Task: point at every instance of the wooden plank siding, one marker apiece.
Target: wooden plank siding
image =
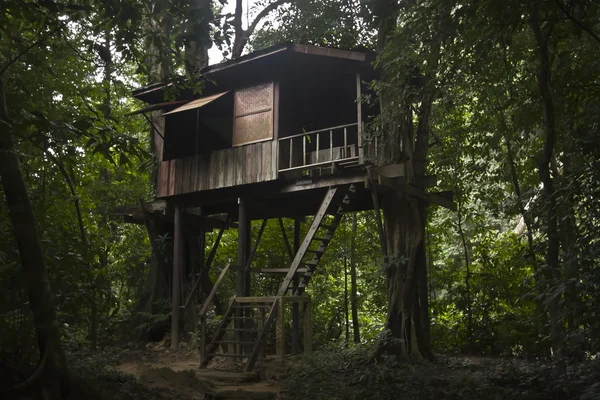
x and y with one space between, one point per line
242 165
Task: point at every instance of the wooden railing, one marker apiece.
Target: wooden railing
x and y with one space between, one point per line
320 148
204 310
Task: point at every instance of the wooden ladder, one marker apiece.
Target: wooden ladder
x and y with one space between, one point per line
254 335
324 225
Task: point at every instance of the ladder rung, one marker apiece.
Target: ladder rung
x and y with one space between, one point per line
326 226
255 306
235 342
241 330
322 239
280 271
316 251
247 318
228 355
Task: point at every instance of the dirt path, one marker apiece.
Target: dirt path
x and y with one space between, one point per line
159 368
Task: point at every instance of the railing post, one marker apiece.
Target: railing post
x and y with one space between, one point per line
279 331
261 326
361 157
291 146
318 147
331 150
331 145
303 150
345 142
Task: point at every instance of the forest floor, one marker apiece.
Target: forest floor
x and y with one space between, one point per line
156 372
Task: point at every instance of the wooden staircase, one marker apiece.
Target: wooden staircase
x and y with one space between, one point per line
257 314
252 334
325 227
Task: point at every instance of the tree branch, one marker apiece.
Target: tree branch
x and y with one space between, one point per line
237 18
69 183
26 49
241 35
265 11
577 22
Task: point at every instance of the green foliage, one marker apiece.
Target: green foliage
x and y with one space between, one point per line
350 373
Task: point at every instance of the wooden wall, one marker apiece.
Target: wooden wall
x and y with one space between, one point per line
242 165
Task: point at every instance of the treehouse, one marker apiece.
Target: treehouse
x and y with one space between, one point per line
280 115
276 133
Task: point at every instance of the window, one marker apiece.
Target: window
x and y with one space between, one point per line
253 114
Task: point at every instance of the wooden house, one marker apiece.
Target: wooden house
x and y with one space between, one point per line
264 123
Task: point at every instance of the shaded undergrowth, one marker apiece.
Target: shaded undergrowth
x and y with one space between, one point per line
339 373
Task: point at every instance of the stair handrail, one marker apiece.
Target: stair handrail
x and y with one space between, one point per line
204 309
213 292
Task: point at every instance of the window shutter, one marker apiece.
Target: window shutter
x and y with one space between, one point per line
253 114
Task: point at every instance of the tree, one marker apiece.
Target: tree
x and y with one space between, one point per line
353 288
406 95
53 371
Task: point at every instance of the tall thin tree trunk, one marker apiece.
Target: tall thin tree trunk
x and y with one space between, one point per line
552 232
346 313
467 276
353 289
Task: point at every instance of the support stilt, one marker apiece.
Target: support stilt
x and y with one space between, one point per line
241 284
295 308
177 266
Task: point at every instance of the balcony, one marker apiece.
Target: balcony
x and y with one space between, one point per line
320 152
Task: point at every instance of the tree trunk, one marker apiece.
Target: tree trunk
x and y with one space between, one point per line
198 35
404 235
178 245
353 289
53 370
467 277
346 313
404 215
552 233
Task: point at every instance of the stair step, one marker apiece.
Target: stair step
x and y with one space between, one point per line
322 239
349 162
236 342
326 226
228 355
316 251
253 306
280 271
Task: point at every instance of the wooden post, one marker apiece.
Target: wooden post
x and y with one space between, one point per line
202 334
280 331
242 253
261 324
249 254
201 253
177 264
307 319
295 305
242 249
361 154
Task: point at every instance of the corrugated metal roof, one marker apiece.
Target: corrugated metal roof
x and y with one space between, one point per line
201 102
